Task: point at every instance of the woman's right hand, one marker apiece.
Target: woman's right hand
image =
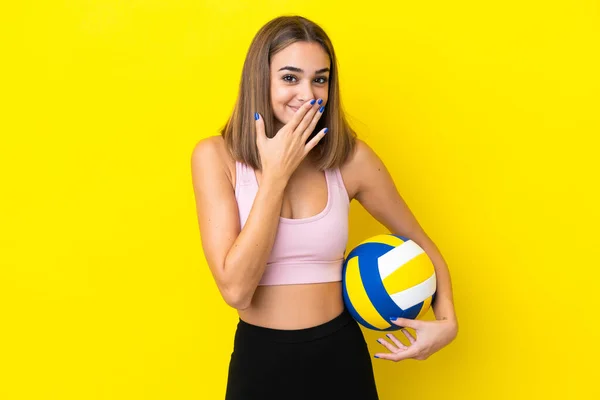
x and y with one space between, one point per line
281 155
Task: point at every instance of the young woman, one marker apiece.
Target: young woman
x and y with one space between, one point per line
273 194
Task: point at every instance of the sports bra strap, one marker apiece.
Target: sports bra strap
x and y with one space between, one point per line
243 174
338 177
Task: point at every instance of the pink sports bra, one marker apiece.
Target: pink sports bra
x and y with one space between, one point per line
306 250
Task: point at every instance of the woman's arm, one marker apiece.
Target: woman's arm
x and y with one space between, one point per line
237 259
377 193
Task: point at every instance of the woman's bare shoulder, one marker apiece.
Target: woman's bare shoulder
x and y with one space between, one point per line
211 152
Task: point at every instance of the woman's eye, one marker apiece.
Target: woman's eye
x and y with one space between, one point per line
292 79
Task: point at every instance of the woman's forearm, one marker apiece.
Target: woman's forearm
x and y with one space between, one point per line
247 259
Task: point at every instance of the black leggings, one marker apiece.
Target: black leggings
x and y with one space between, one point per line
327 361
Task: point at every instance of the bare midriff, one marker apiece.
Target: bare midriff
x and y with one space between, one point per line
294 306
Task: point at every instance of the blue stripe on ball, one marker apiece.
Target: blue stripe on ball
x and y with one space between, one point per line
369 273
413 311
353 311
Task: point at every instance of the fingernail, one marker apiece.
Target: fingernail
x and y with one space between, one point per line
321 109
313 102
320 101
255 116
393 318
326 129
375 356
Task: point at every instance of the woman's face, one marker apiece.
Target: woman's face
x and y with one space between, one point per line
299 73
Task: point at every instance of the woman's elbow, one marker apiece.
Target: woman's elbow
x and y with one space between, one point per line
236 298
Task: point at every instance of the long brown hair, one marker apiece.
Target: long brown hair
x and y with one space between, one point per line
255 96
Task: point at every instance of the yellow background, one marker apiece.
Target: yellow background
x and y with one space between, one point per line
486 114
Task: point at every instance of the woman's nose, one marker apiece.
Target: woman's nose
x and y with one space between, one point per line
305 92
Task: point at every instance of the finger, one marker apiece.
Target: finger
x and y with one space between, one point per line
406 322
399 356
299 115
388 346
306 120
398 343
260 127
410 337
311 127
313 142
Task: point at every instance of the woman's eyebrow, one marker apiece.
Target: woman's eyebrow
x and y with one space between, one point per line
300 70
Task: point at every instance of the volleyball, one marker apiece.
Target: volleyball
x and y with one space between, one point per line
387 276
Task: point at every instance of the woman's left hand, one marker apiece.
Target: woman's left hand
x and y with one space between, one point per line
431 336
